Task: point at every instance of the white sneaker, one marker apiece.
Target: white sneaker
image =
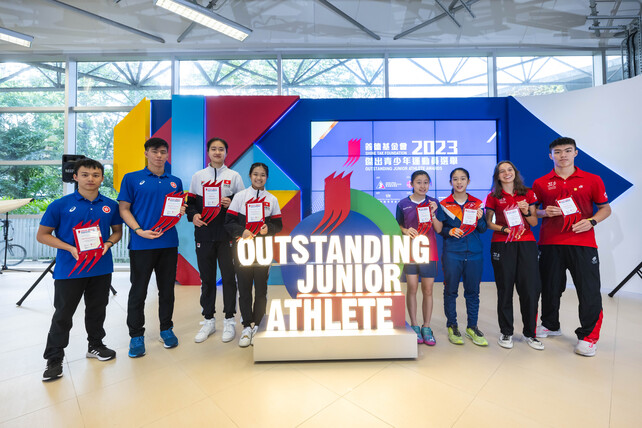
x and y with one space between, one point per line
254 330
585 348
534 343
542 331
207 329
246 337
505 341
229 330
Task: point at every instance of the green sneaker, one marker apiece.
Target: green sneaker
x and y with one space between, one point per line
476 336
455 336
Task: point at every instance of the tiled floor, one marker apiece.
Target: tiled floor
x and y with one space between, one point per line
216 384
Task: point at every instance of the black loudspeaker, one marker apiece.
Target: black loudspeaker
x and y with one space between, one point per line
68 162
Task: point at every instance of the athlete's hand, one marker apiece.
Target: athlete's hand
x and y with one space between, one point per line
480 213
225 202
456 232
149 234
106 248
247 234
582 226
183 208
264 230
523 206
197 221
412 232
74 251
433 207
553 211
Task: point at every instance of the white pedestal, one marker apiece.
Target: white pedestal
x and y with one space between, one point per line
334 345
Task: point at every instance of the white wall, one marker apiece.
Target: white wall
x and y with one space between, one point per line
606 123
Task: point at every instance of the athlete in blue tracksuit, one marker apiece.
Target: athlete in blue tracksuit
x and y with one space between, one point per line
462 256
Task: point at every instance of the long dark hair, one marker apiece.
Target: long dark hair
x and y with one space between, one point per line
518 183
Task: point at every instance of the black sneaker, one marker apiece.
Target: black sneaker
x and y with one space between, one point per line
53 370
101 352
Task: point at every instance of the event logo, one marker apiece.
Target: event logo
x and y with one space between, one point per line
354 151
341 266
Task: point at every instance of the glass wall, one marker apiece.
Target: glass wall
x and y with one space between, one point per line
438 77
334 78
520 76
229 77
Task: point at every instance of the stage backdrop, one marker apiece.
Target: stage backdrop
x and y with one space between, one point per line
278 131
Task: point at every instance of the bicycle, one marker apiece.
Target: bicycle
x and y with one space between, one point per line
13 254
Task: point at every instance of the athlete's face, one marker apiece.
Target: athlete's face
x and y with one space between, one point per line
506 173
563 156
459 181
217 153
421 184
89 179
258 177
157 156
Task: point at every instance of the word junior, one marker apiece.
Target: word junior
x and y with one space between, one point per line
351 282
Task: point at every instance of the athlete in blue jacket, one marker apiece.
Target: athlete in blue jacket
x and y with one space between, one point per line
462 256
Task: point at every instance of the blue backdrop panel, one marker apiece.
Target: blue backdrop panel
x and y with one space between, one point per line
161 113
188 127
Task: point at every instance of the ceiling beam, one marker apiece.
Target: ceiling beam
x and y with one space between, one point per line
106 20
349 19
448 13
431 20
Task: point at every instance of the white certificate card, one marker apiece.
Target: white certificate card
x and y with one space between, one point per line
172 207
568 206
470 216
211 196
423 213
513 217
88 238
254 212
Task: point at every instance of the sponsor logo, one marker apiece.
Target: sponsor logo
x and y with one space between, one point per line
72 209
495 255
106 209
173 184
594 260
141 183
198 245
551 185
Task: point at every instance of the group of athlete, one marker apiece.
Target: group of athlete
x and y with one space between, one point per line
223 212
564 199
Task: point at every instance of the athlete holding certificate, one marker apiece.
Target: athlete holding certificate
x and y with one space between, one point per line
253 212
150 203
82 223
513 252
567 241
210 194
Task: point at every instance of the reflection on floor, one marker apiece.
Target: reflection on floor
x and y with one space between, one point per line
217 384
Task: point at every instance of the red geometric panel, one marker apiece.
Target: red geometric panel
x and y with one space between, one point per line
242 120
165 132
185 273
291 214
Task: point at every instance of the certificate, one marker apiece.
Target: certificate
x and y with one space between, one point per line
424 214
470 217
172 206
211 196
567 205
254 212
513 217
88 238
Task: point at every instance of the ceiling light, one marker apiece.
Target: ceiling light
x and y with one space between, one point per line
205 17
15 37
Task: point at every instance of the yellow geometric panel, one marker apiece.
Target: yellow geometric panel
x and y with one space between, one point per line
283 196
130 135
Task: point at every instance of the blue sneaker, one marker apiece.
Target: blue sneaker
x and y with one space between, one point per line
168 338
417 331
137 347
